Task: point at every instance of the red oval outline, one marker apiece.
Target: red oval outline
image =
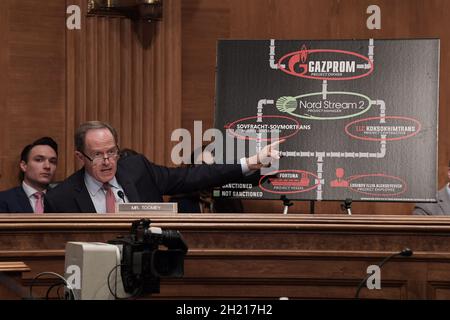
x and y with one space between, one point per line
378 175
288 192
326 78
387 139
227 126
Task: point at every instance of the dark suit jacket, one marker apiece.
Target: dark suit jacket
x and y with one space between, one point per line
441 207
15 200
142 181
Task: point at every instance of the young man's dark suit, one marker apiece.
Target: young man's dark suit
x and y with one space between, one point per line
15 200
142 181
441 207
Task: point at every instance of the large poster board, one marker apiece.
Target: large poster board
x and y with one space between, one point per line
359 116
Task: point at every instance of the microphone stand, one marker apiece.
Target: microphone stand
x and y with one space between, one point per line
287 203
406 252
347 205
121 195
312 208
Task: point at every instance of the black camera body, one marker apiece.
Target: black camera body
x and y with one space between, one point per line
144 261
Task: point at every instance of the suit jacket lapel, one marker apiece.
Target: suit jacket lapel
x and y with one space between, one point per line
444 201
128 187
82 198
23 201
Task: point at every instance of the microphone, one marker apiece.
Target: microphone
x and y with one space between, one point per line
406 252
347 206
121 195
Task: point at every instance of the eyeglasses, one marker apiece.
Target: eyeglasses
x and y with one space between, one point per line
99 157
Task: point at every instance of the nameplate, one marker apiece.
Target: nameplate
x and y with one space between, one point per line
167 207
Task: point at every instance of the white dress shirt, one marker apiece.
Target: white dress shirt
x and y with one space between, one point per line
30 191
97 193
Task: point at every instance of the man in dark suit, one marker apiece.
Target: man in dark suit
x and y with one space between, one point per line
38 163
441 207
106 179
203 201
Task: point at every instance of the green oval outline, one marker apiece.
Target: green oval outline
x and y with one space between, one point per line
349 93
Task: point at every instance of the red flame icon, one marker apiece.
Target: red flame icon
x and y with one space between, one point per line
300 57
303 54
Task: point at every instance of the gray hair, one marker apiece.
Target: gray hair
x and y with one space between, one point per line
80 134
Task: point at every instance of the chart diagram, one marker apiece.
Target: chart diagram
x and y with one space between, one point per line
359 116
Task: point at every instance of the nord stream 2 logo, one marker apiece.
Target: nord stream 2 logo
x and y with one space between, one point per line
326 64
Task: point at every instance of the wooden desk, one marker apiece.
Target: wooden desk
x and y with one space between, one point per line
259 256
11 278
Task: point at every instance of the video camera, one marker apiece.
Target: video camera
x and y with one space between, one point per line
144 262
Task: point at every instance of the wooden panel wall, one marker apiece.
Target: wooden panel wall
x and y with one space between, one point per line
148 79
32 80
127 73
113 69
206 21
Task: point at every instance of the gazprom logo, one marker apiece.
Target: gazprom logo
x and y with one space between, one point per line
326 64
